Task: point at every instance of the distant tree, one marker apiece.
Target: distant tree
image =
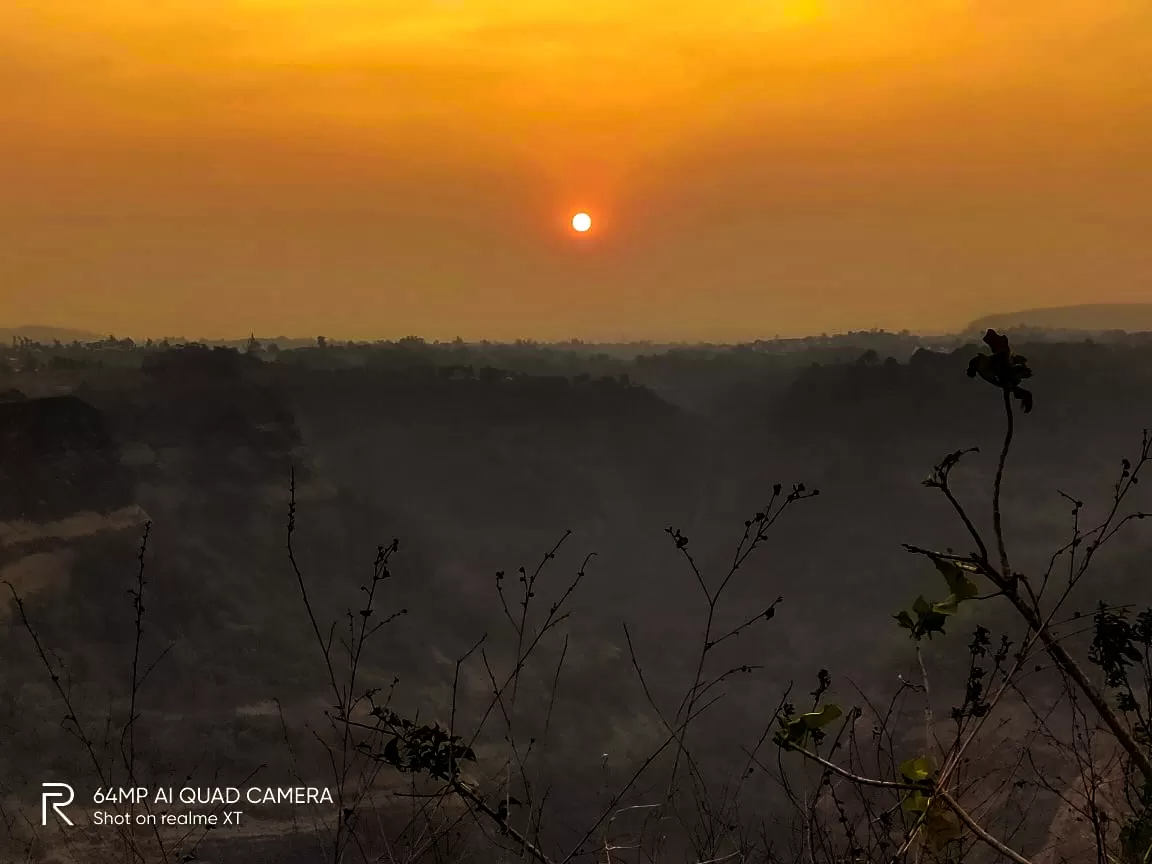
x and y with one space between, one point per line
192 362
922 357
321 342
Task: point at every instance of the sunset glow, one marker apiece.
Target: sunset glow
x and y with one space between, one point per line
363 164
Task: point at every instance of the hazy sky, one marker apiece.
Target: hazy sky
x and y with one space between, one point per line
375 168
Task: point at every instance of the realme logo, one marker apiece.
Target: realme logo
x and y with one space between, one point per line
61 795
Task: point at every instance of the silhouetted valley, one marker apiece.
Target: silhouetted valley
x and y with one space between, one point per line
478 459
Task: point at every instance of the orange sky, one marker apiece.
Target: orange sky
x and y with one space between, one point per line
375 168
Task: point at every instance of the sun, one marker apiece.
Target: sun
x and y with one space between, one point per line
581 222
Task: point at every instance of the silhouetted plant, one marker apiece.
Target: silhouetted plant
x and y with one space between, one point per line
1118 645
116 765
1003 369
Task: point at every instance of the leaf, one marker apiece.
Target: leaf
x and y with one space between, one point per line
946 607
961 586
392 752
997 342
931 617
794 731
933 622
828 714
915 803
917 770
1025 397
928 619
941 826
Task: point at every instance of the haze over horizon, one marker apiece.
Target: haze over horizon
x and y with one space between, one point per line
1098 318
354 168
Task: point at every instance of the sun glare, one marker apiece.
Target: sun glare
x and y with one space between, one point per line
581 222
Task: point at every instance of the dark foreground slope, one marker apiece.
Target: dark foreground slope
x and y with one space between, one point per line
475 473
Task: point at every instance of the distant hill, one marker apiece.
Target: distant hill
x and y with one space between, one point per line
1092 317
41 333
